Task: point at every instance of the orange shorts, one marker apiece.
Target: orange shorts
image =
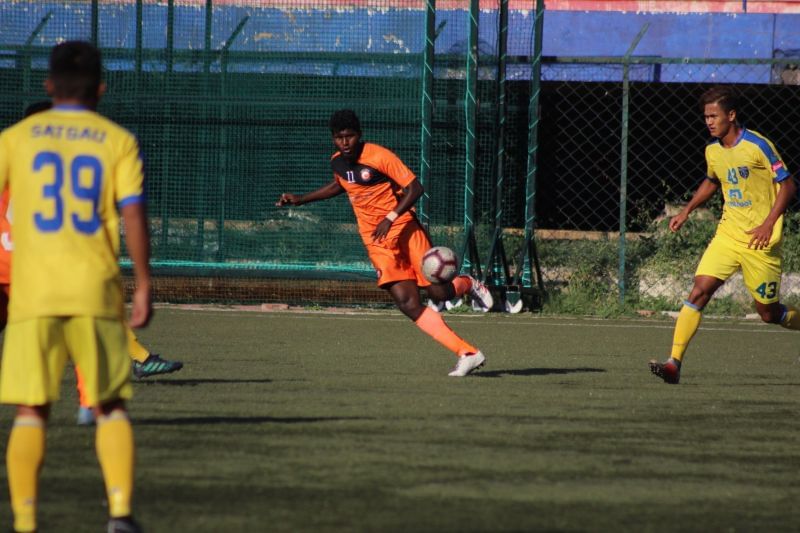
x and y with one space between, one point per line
399 256
5 265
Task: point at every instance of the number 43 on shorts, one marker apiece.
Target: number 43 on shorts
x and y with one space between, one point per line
768 290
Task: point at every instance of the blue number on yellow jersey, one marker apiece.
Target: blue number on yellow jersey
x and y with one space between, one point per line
749 173
68 170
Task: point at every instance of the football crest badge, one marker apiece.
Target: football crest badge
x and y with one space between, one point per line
744 172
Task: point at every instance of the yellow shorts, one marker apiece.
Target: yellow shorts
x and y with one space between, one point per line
399 256
761 269
35 352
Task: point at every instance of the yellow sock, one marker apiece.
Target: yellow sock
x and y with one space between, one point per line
790 318
24 458
115 451
136 350
685 328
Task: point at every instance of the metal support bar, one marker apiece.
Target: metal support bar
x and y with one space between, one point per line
623 180
426 106
223 173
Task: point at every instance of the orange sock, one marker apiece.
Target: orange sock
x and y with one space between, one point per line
432 323
462 285
82 399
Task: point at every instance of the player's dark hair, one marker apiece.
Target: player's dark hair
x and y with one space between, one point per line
723 95
344 119
37 107
76 70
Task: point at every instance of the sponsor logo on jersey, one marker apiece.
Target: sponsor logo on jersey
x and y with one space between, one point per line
777 165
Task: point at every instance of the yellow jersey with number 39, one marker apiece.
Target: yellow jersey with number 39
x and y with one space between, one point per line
68 170
749 174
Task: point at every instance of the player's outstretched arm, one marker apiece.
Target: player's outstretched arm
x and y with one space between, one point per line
323 193
703 193
138 241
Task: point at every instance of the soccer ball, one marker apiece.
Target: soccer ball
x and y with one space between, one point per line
439 264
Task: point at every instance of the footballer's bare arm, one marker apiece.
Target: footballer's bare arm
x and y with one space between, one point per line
323 193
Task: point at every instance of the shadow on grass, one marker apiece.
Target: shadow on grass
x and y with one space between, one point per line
193 382
205 420
536 372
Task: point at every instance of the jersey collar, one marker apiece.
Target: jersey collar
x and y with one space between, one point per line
70 107
738 139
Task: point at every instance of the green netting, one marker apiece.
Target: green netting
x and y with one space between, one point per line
230 100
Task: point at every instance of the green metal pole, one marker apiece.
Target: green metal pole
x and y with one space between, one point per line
427 109
95 21
223 174
166 128
470 114
28 58
200 204
170 34
138 52
623 180
533 139
207 40
502 47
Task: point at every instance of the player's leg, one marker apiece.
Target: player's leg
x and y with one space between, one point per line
690 314
398 263
406 296
720 260
33 362
85 411
115 448
762 271
413 243
460 286
145 363
135 349
99 348
24 457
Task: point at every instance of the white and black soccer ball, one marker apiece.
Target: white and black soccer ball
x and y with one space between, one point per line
439 264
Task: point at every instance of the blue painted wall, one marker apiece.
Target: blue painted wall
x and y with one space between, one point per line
567 33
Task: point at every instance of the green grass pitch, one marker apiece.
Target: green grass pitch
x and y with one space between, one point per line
295 422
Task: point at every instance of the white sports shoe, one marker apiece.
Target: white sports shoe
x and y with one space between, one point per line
468 363
436 306
480 294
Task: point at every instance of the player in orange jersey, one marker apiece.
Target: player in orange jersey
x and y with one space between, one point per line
383 191
144 363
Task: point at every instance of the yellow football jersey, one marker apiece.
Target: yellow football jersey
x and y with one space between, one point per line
69 170
749 174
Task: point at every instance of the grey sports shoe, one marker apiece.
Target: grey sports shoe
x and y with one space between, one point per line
154 365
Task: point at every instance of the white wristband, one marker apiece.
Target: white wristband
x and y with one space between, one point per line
392 216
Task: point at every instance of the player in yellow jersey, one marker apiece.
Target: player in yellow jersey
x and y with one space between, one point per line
757 188
70 173
145 363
